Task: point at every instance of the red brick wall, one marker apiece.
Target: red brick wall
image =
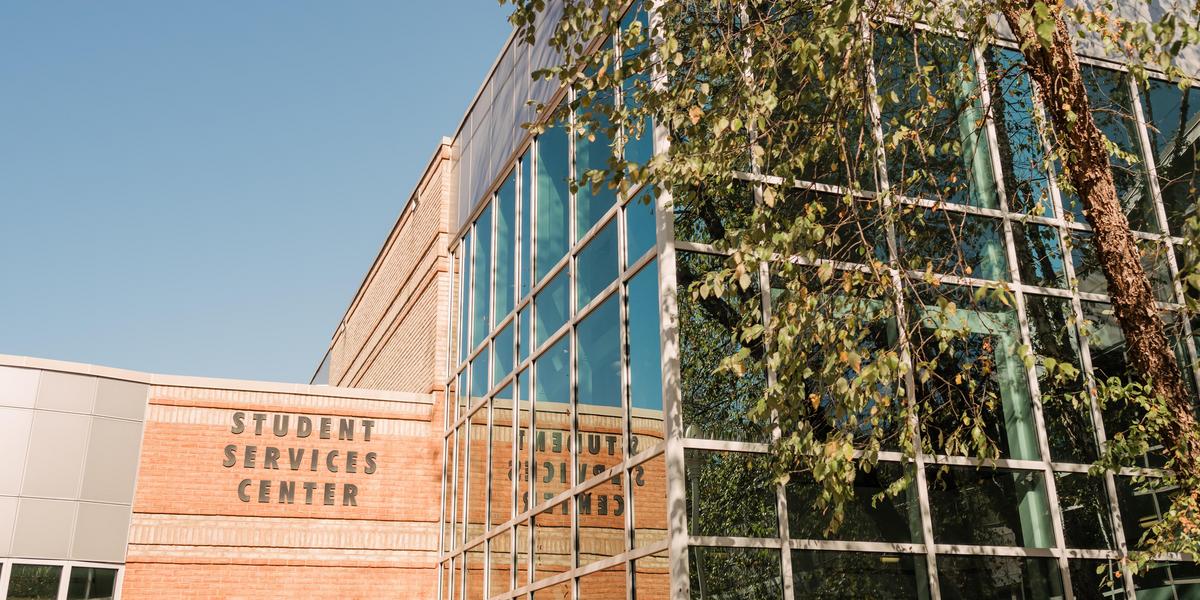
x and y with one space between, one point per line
192 536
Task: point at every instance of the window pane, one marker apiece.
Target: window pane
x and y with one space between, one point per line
648 486
889 519
735 573
525 320
593 148
952 163
1091 276
501 465
998 578
552 421
506 247
1085 513
714 404
552 174
481 280
639 224
598 345
502 353
480 384
1039 255
473 568
526 186
652 577
1140 509
1112 108
1067 414
552 543
730 494
477 475
1171 113
605 583
550 306
989 507
977 372
464 298
601 513
819 574
639 141
88 583
596 265
645 366
1090 585
1019 142
953 243
33 582
500 557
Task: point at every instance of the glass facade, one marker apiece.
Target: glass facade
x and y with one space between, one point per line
601 457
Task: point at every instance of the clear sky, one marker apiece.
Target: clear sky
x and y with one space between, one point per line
199 187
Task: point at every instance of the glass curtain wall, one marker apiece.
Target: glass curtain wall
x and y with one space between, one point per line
555 480
1033 523
554 474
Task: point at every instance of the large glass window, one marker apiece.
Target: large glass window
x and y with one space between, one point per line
730 494
735 573
88 583
1172 124
998 578
506 247
870 516
596 266
481 277
855 575
553 171
989 507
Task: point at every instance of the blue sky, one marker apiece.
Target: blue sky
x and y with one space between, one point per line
198 188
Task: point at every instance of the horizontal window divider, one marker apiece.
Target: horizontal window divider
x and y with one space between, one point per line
1092 554
636 266
976 550
587 309
734 542
551 274
595 481
555 579
1069 467
856 546
940 205
970 461
944 278
725 445
626 197
1037 290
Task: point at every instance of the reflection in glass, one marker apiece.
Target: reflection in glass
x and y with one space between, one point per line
1039 255
605 583
525 320
1091 277
526 223
501 461
481 280
552 199
952 162
598 343
502 354
473 567
639 141
978 372
552 541
1140 509
506 248
1087 584
501 564
955 244
855 575
645 366
464 298
651 577
601 514
998 578
33 582
1171 114
989 507
1085 514
551 470
639 225
593 149
478 469
522 541
551 306
1019 142
480 384
647 485
730 494
710 213
88 583
596 265
1067 414
867 518
714 403
751 573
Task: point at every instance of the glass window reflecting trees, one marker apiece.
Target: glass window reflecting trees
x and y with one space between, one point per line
576 387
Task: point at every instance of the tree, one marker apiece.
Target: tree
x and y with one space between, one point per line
837 155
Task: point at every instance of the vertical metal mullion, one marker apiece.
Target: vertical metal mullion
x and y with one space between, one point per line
677 547
531 370
573 350
880 161
517 325
1042 434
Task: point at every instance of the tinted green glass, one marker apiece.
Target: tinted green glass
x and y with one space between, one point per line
1171 113
598 346
730 494
890 519
596 265
88 583
502 353
481 280
552 199
639 225
506 248
1085 513
954 243
645 366
1039 255
989 507
550 306
1067 415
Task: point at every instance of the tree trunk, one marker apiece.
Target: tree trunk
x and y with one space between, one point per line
1060 87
